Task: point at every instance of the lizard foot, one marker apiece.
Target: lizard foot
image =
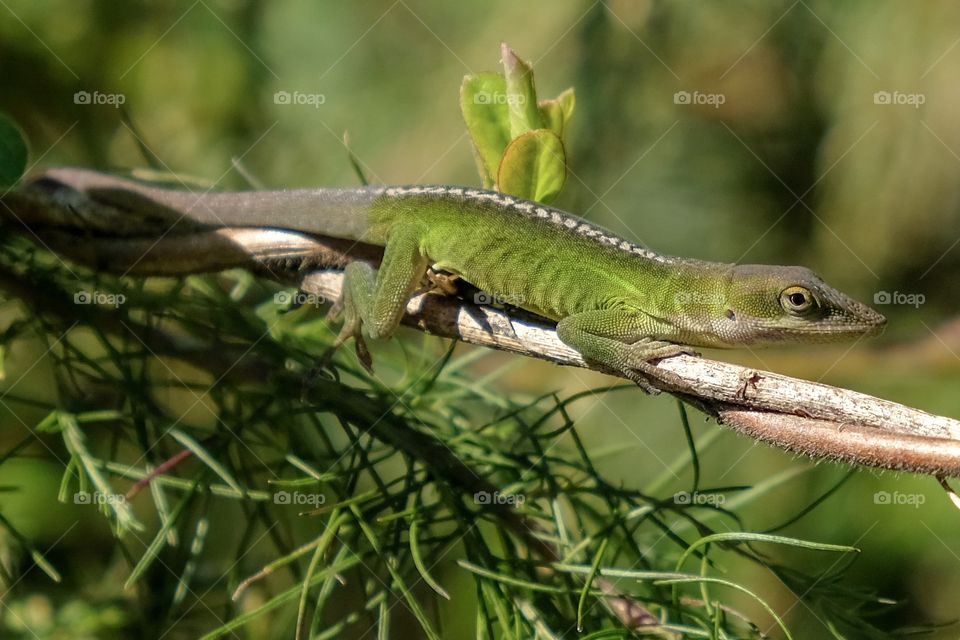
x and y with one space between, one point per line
351 329
642 369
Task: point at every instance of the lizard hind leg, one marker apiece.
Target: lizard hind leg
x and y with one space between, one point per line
345 308
373 300
351 328
359 283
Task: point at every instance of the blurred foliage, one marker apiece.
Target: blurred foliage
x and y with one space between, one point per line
345 504
799 162
13 153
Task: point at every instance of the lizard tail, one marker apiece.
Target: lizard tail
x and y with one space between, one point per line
339 213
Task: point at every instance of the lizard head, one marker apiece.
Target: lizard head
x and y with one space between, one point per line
771 304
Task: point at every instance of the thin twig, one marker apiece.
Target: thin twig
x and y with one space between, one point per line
161 469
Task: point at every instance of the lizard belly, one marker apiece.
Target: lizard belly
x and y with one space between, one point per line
547 280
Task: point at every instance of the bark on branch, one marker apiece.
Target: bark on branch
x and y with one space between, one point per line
122 231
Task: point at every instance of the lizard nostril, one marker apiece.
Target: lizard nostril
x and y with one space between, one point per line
730 314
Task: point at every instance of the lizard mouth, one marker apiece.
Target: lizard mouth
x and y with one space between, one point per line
853 324
862 319
866 325
875 325
846 318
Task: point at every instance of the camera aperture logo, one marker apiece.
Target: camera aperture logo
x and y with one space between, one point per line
698 98
96 98
299 98
99 297
299 498
698 498
898 297
897 498
98 497
486 498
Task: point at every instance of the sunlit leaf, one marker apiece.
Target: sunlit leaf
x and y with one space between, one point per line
556 113
484 107
521 95
533 166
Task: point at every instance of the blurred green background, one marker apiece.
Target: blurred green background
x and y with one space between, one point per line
834 143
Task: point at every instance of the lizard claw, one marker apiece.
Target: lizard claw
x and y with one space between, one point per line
642 381
644 374
363 354
351 329
320 365
323 362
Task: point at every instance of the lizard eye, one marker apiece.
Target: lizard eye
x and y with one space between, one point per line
797 299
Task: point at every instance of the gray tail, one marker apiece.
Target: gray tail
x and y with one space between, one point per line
340 213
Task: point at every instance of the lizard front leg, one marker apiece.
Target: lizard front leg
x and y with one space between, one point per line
624 340
373 300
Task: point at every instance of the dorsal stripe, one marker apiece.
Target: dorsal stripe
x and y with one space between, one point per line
528 209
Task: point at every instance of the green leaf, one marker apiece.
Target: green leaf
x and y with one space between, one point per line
556 113
483 102
205 457
159 541
290 594
420 565
398 582
533 166
110 502
553 118
589 581
521 95
745 536
35 554
13 152
354 161
727 583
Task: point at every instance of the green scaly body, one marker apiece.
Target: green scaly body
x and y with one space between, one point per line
617 303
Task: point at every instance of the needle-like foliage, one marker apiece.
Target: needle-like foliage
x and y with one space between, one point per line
246 491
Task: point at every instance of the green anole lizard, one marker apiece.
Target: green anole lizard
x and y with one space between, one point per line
618 304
